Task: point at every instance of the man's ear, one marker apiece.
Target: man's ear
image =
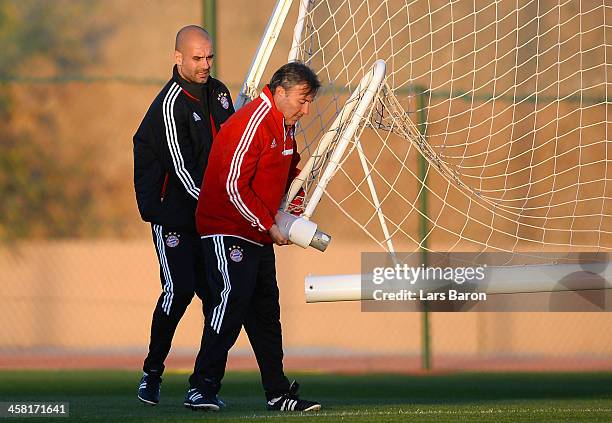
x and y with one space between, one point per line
280 91
178 57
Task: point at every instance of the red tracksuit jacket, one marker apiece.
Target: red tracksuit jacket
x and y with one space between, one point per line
252 161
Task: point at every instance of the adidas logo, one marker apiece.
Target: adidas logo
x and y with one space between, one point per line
196 117
273 145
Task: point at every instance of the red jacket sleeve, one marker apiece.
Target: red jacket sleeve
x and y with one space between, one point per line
243 166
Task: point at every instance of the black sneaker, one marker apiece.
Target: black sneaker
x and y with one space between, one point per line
291 401
196 400
149 388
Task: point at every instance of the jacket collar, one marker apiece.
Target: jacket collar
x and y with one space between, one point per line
266 96
193 89
279 119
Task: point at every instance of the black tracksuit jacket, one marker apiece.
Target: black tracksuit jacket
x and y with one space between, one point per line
171 149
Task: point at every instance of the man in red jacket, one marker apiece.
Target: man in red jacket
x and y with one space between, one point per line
252 162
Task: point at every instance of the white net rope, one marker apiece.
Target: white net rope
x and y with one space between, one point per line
507 101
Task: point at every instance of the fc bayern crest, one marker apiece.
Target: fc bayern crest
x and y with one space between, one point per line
224 103
172 240
222 97
236 254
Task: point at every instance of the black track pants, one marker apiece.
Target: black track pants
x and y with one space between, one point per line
242 284
181 265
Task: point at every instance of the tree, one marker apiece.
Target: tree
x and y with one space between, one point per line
45 193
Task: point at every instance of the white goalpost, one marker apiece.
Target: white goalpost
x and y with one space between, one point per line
506 280
507 102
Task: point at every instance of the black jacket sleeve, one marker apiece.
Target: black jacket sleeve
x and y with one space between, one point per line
148 174
177 149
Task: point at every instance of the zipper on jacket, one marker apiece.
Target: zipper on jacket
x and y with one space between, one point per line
286 151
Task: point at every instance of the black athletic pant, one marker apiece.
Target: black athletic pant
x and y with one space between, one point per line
181 268
242 284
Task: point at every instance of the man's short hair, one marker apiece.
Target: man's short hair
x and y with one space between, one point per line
295 73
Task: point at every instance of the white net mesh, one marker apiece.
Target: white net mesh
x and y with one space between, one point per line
506 100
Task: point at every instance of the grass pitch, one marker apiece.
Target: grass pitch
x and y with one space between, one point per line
110 396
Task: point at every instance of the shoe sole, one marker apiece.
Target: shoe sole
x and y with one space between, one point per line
203 407
146 401
316 407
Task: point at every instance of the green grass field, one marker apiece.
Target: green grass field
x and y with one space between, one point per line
461 397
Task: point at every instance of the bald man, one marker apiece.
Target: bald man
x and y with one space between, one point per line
171 149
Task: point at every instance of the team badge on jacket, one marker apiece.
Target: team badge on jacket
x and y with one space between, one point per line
172 239
222 97
236 253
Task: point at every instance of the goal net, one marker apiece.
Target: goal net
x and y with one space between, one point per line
489 132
